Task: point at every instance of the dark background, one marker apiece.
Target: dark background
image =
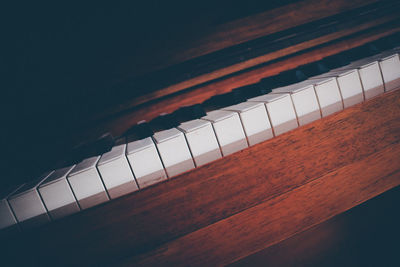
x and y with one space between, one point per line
62 62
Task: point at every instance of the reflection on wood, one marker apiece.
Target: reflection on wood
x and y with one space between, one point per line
315 172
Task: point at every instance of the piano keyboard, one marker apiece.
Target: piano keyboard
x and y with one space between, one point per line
147 159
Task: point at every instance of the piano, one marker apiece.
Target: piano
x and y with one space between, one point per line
254 138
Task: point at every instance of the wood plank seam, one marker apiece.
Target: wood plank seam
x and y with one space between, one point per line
394 171
119 122
119 214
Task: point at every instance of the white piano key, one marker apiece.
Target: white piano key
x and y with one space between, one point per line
281 111
57 194
369 73
304 100
202 141
174 151
228 130
390 67
145 162
28 206
328 95
116 172
86 183
350 87
7 218
371 78
255 121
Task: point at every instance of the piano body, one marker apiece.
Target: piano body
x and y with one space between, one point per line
291 155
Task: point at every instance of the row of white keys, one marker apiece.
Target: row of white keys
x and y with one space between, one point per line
390 67
57 194
27 204
7 218
280 110
86 183
304 100
141 163
349 84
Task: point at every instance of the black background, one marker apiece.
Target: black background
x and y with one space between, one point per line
61 62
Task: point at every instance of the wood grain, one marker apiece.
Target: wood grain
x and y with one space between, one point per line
198 80
138 223
119 123
268 223
268 22
366 235
213 37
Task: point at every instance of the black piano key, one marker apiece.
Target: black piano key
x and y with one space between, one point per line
164 122
213 103
120 141
224 100
139 131
284 79
250 91
337 61
359 53
300 76
189 113
314 69
97 147
270 83
373 50
197 111
234 97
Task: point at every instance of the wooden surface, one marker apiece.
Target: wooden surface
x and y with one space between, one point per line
231 208
366 235
65 99
249 28
261 226
298 13
270 55
134 112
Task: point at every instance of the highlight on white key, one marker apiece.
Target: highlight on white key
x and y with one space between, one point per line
86 183
202 141
28 206
145 162
328 95
304 100
390 67
280 110
228 129
254 118
57 194
116 173
7 218
174 151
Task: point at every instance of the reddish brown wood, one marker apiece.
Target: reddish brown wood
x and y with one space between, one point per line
260 60
268 22
120 123
140 222
281 217
211 37
366 235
